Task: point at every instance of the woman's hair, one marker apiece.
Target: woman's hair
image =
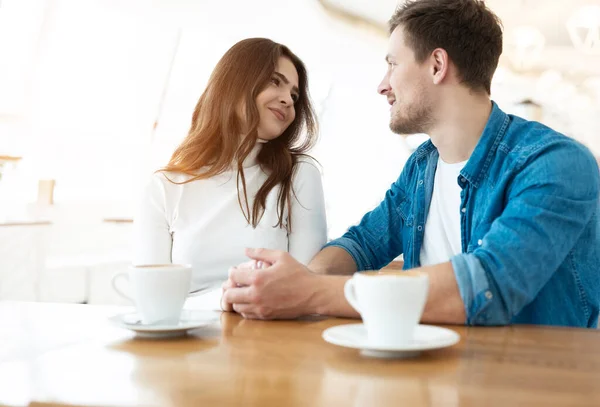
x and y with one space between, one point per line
219 138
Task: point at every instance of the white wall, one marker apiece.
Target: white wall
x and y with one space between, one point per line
84 110
99 83
102 67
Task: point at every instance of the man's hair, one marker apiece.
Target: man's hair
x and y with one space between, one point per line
467 30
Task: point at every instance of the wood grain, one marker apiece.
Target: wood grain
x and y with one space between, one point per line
56 354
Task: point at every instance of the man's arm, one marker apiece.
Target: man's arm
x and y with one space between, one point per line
444 304
287 289
549 203
377 239
333 261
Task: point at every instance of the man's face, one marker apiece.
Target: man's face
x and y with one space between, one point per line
406 87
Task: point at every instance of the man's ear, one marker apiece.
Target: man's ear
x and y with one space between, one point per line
439 65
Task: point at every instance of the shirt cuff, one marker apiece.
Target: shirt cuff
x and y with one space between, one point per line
354 250
483 304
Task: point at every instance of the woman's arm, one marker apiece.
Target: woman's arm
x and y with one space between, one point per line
308 219
151 232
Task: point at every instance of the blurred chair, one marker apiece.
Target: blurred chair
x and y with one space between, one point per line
22 257
91 266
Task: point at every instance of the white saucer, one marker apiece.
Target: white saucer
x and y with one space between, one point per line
426 337
189 320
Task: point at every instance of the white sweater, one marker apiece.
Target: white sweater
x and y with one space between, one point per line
201 223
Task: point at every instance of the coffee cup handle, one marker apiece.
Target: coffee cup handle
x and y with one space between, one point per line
350 294
113 282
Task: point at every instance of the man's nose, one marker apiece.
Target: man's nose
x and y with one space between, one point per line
384 86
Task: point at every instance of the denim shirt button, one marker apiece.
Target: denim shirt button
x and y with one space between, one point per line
463 180
489 295
420 228
463 210
420 182
479 242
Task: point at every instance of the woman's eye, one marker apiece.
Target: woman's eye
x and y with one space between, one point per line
295 97
275 81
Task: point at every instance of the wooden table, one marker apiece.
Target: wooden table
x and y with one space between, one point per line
56 354
118 220
12 223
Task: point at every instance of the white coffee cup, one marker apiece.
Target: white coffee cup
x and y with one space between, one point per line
159 291
390 303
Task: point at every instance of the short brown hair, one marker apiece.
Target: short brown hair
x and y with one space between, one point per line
470 33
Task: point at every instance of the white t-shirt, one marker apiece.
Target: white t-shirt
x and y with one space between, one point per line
201 223
442 239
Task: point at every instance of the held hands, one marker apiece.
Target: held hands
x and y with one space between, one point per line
271 286
251 265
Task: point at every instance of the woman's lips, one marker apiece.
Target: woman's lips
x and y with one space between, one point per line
279 114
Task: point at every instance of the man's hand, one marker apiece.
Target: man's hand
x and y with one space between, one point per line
284 289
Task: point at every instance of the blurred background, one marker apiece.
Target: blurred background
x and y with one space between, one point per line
96 94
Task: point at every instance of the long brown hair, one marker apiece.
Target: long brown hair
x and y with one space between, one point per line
213 144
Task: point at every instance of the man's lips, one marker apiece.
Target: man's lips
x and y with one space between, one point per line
278 113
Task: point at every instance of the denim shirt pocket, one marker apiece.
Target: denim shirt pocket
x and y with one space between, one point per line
405 210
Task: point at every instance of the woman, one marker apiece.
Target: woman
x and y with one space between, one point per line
241 177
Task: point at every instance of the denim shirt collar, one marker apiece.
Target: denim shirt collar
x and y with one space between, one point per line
477 166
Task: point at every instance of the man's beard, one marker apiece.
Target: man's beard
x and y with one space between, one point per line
417 119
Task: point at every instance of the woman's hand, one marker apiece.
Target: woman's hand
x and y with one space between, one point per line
250 265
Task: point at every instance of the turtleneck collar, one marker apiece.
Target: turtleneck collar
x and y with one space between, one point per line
250 160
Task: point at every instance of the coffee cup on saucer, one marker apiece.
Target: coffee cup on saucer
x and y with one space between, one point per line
390 303
158 291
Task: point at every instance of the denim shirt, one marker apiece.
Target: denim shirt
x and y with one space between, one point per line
530 231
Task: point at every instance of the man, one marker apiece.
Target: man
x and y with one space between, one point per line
501 213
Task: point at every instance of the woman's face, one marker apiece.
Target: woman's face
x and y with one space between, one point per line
276 102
